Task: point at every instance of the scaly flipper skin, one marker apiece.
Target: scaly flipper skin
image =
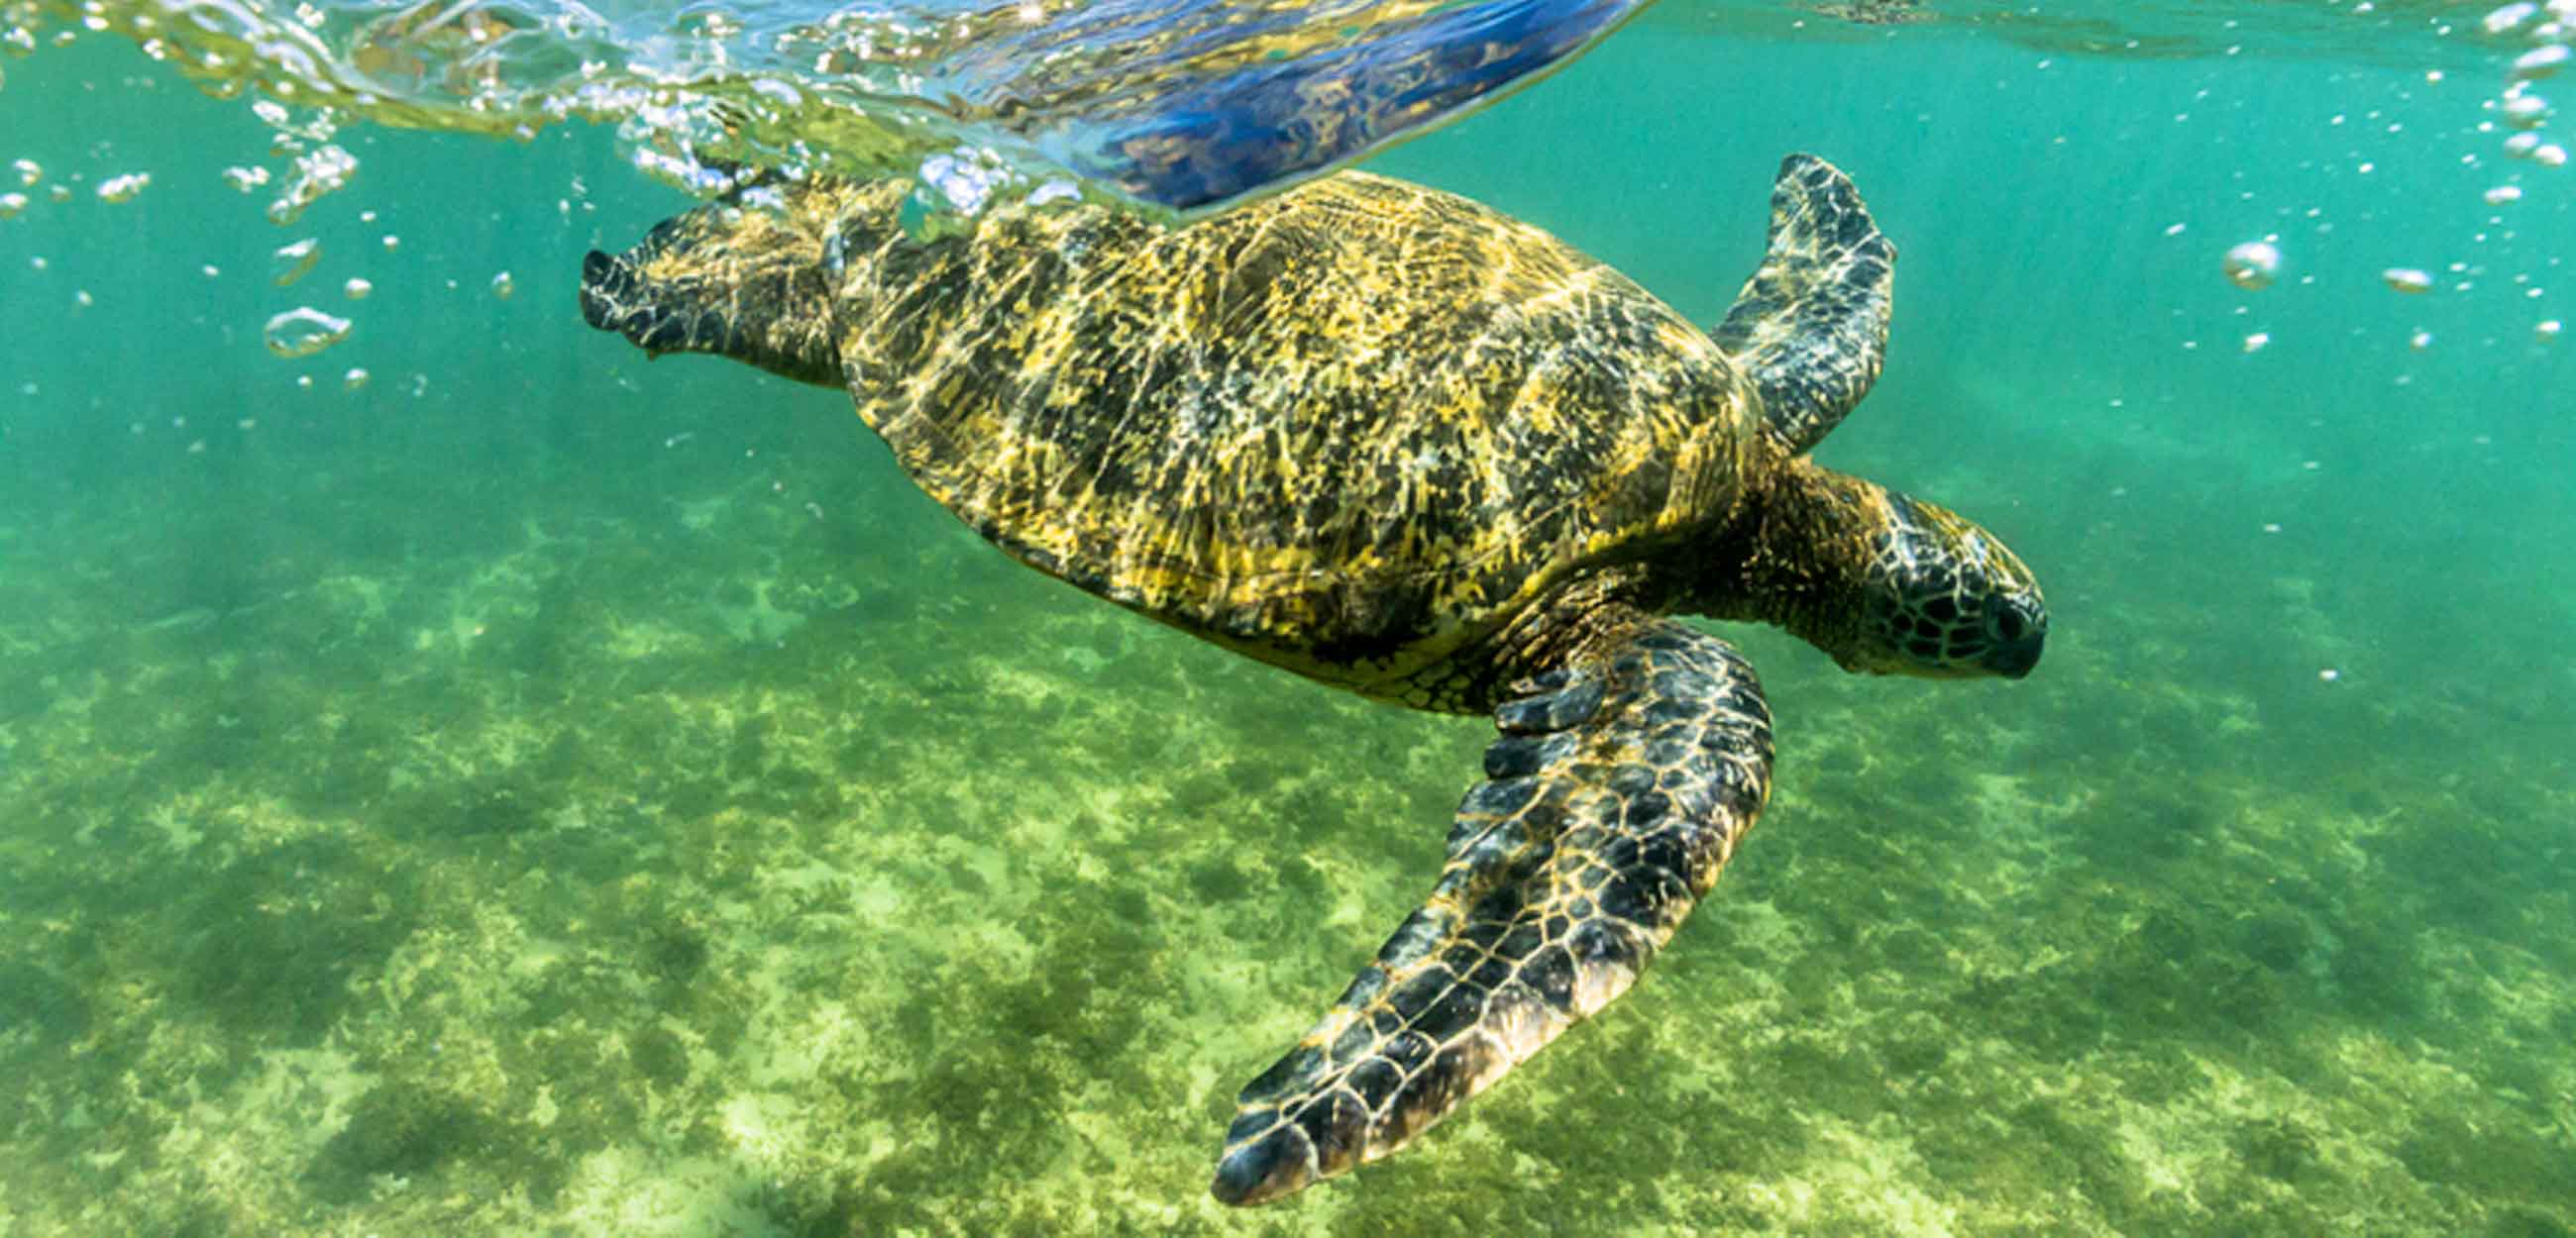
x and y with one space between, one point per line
1810 326
1617 791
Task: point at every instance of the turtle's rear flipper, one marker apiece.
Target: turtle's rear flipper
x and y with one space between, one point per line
745 276
1810 327
1615 794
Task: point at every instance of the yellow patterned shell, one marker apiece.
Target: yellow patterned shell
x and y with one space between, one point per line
1345 430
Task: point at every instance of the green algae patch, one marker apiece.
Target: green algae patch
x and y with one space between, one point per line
694 866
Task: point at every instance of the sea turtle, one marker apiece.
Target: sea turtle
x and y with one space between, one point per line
1396 442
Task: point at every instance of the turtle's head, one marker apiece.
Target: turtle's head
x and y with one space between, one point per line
1943 597
1883 582
748 276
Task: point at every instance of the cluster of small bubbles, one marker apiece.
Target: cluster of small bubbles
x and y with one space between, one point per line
2407 279
28 172
681 172
123 188
245 179
357 289
294 260
581 194
965 179
2522 111
2252 264
294 134
317 172
303 331
502 286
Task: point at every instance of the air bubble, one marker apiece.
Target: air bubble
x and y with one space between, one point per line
296 259
2525 111
2547 331
2540 62
354 379
502 286
2407 279
29 172
2549 155
2252 265
123 188
303 331
11 204
2505 19
357 289
2502 194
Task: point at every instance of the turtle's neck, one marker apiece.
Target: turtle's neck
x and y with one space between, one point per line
1795 556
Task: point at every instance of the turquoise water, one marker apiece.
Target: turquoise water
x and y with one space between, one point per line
539 791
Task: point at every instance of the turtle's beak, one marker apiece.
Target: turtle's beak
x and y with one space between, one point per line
2015 660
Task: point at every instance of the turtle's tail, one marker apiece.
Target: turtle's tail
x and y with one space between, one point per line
1810 327
727 278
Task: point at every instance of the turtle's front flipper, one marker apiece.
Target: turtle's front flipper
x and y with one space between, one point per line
1810 327
1618 789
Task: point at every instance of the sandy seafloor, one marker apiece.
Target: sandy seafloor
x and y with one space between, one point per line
542 793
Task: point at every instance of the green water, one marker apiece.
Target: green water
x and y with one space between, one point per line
542 792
